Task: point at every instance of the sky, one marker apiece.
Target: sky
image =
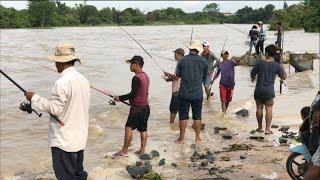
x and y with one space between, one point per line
146 6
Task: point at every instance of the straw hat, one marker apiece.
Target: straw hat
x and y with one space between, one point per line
64 53
195 45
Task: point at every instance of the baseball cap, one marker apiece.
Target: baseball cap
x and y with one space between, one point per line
206 43
179 51
136 59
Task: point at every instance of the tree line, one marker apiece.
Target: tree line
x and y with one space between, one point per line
49 13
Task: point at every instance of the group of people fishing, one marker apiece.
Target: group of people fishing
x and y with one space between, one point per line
70 99
258 36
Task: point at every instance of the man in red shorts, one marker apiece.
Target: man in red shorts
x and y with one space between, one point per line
226 68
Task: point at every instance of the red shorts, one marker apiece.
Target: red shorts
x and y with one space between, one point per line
225 93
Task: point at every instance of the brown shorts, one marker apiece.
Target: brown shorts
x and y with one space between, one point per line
265 102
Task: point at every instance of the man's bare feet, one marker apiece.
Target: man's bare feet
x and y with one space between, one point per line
119 154
259 130
268 132
179 141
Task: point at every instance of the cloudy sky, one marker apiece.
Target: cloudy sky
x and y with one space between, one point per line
187 6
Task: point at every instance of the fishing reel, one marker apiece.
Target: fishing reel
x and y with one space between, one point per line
282 82
112 102
167 78
27 107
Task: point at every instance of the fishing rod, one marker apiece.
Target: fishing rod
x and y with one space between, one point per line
191 36
224 44
281 61
239 30
111 102
27 106
137 43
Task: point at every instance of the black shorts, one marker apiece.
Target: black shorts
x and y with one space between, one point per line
138 118
184 106
68 165
174 104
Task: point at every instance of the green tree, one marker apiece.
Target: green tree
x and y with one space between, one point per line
11 18
62 8
86 11
41 12
212 9
105 15
285 5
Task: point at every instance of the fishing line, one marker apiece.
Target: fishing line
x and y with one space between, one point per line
137 43
237 29
111 102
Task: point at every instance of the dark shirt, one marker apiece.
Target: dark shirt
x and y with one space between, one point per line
193 70
213 60
254 34
280 29
134 90
227 73
267 72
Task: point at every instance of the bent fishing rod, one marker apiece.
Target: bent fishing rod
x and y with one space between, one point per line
111 102
137 43
27 106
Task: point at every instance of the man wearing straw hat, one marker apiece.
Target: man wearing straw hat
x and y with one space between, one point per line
69 101
193 71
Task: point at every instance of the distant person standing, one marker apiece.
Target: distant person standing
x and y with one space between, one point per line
213 62
253 34
227 83
280 32
264 94
261 39
174 103
193 71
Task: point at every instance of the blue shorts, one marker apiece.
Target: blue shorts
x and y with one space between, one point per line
208 80
184 106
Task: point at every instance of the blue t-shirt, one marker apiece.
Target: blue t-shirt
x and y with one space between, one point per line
267 72
226 68
193 70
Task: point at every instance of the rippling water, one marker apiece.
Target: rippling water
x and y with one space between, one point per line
103 49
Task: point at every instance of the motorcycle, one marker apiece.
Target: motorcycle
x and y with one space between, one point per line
298 161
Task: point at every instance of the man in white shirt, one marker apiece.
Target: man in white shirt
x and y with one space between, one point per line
69 102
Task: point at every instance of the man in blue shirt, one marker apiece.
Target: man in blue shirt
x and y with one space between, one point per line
193 71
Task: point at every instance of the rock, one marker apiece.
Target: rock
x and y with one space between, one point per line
223 158
136 171
238 147
162 162
210 158
282 140
195 154
274 126
220 128
146 156
257 137
174 164
243 113
147 167
209 153
216 131
253 131
243 156
284 128
153 176
227 136
204 163
155 153
138 163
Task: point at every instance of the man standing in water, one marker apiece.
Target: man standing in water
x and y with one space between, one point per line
213 62
174 103
279 35
139 110
69 101
226 68
261 39
193 70
266 70
253 33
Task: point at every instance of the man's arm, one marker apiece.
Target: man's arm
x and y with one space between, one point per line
216 64
254 71
56 103
173 77
134 90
